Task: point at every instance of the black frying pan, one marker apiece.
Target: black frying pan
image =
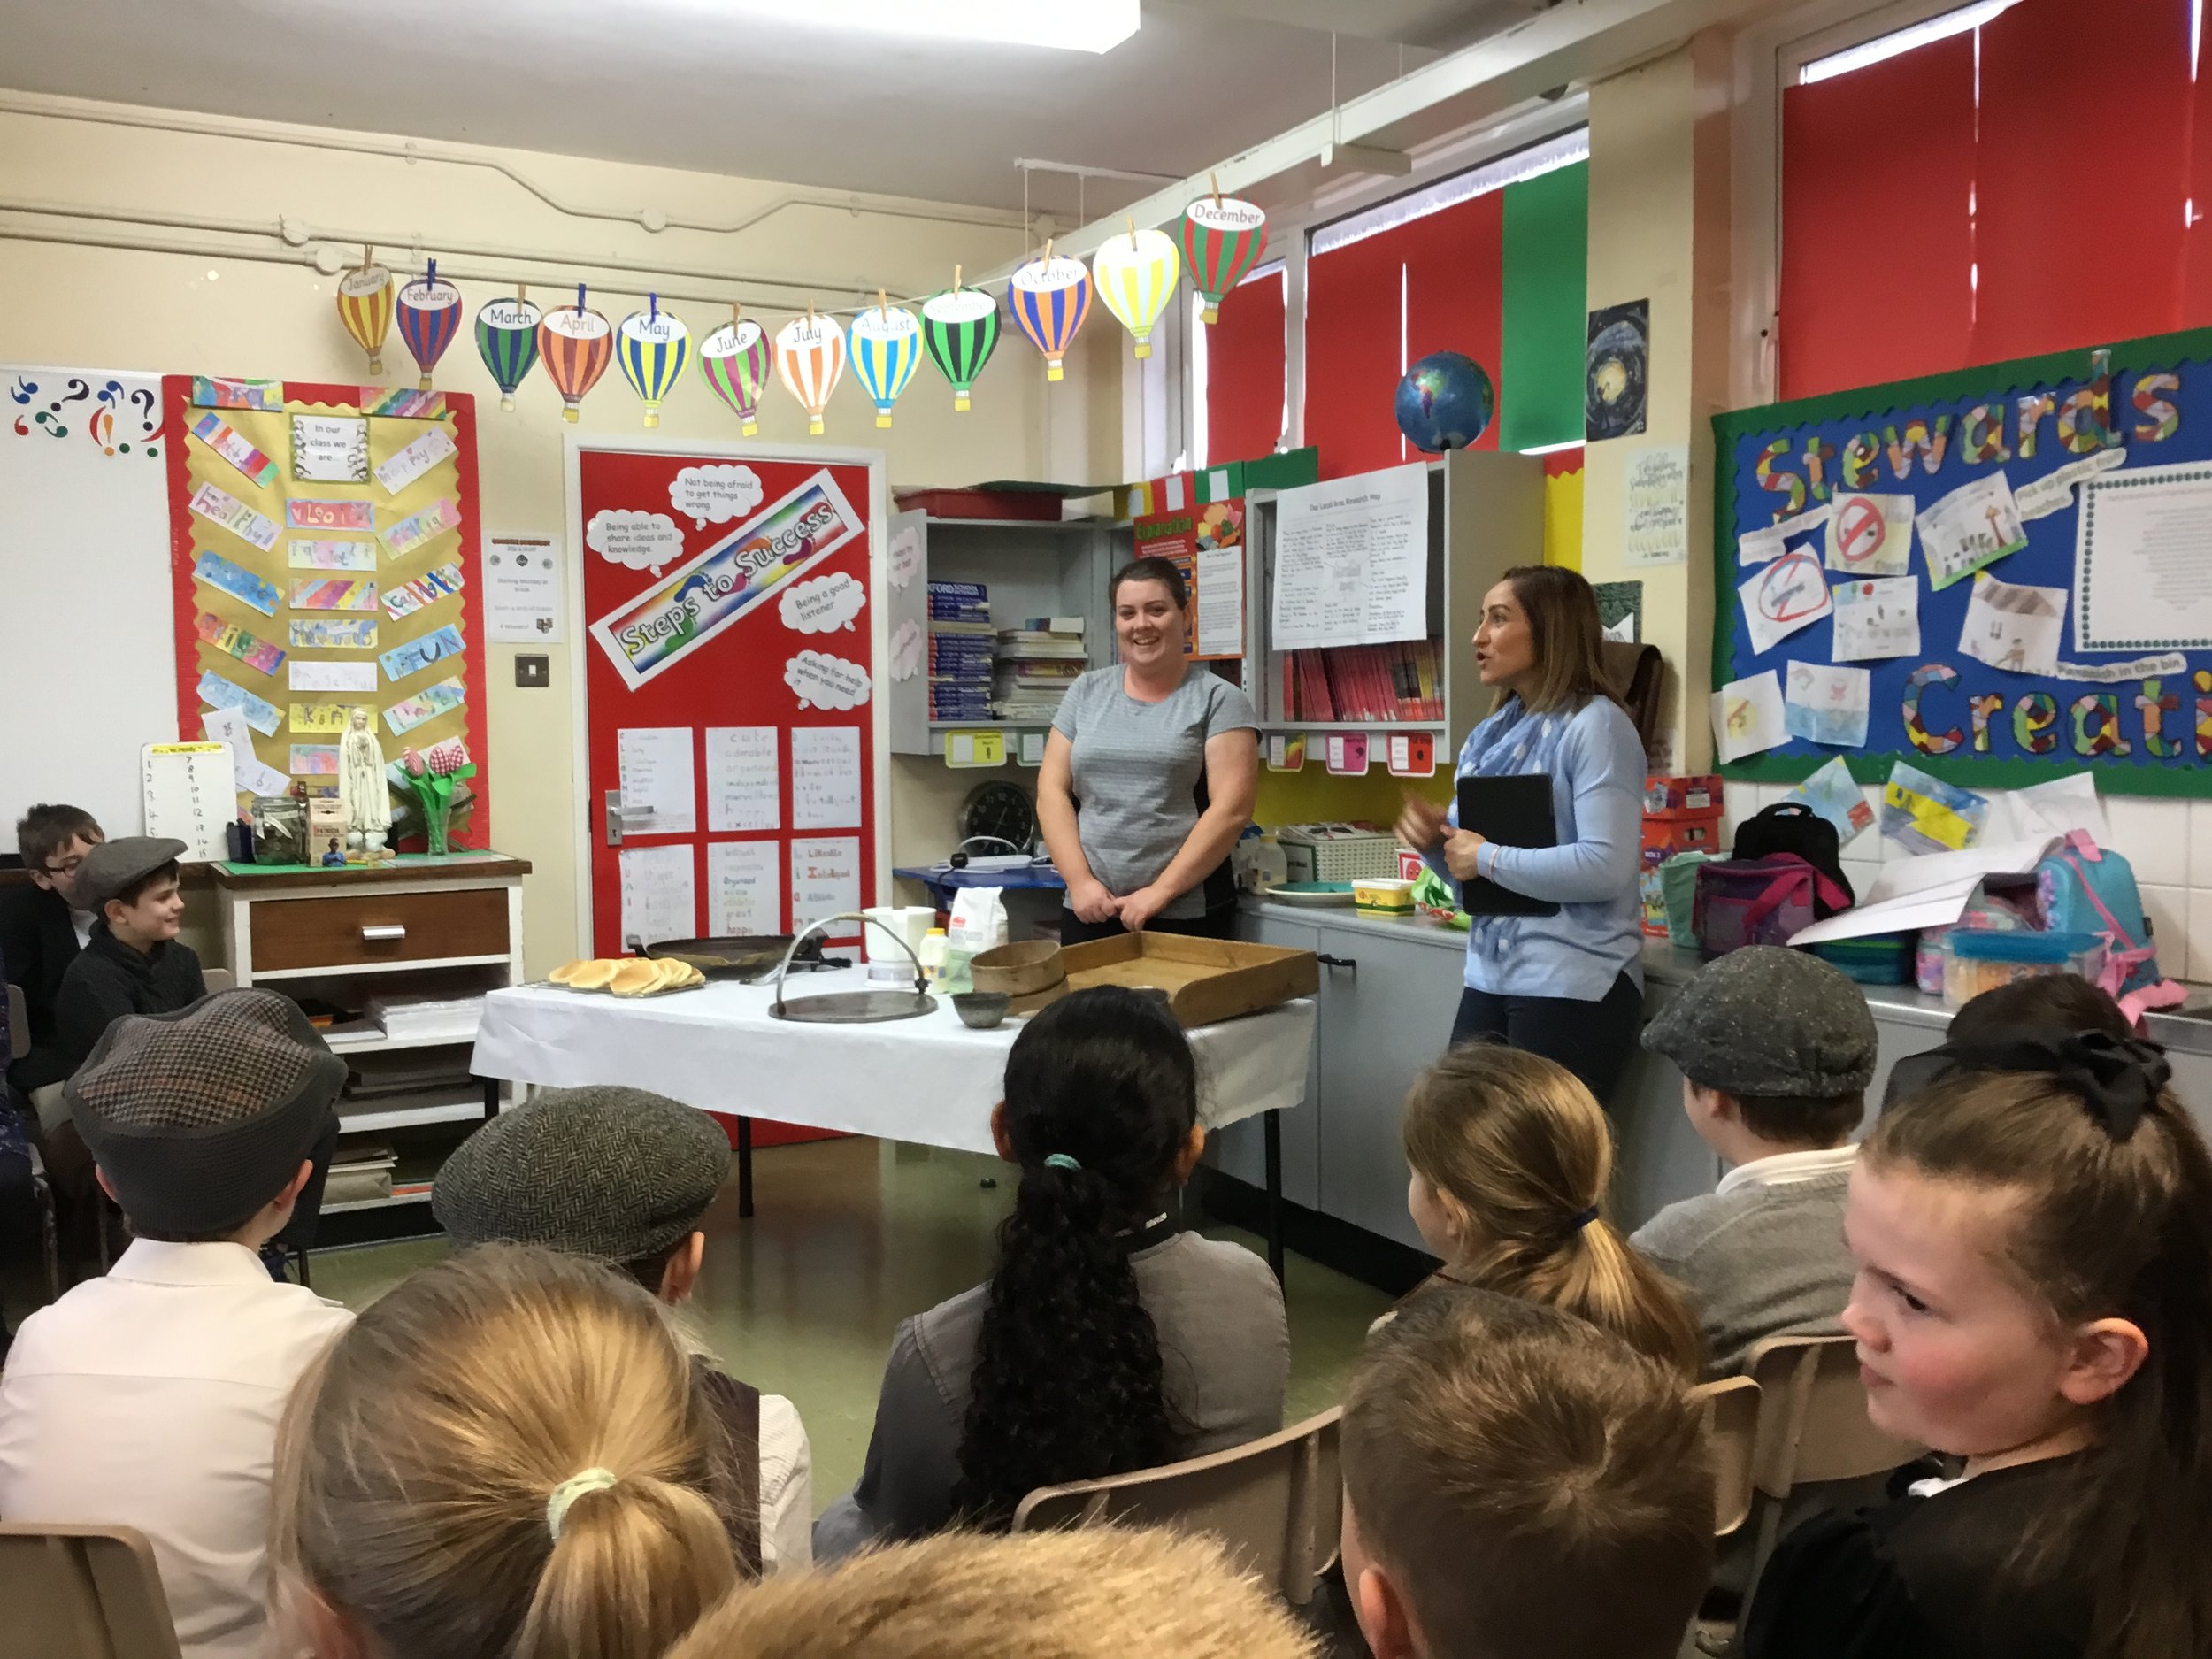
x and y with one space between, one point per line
745 958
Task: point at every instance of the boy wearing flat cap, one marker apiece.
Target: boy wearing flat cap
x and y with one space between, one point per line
150 1398
1776 1050
626 1176
132 961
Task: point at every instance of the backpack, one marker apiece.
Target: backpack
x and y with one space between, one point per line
1791 826
2084 889
1758 901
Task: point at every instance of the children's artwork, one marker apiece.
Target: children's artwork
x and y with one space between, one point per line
332 593
1877 618
325 717
261 714
1924 814
330 448
239 582
346 676
1870 535
417 655
2013 626
1834 794
228 728
427 590
1826 704
1769 542
330 555
427 704
305 513
1788 594
1748 715
744 778
314 760
228 637
333 634
744 887
821 681
409 463
220 507
218 434
402 403
1977 524
433 521
209 392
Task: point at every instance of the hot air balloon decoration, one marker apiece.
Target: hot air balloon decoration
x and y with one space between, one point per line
1223 239
429 317
960 331
652 346
810 359
734 361
576 344
365 305
1049 298
887 348
507 340
1136 273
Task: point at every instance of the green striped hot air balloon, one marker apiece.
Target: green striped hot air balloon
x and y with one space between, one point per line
1223 238
507 340
960 331
735 360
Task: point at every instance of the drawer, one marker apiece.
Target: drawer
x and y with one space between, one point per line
364 929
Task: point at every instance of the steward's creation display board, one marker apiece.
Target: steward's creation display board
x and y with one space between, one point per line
2000 574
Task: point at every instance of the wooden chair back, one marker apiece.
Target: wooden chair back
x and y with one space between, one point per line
1732 1429
217 979
1814 1425
81 1593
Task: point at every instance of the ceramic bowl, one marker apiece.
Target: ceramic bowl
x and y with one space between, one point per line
980 1010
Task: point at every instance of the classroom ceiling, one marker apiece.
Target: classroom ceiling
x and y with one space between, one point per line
683 83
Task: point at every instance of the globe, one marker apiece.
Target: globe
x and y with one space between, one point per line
1445 401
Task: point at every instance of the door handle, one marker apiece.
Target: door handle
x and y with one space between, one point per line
614 818
385 930
1349 963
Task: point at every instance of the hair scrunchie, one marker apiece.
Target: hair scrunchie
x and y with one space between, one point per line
2116 1079
576 1486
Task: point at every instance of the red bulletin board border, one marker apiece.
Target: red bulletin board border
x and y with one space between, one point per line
176 392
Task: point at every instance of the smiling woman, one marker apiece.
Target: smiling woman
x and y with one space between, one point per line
1148 776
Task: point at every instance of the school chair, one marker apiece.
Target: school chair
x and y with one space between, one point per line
81 1593
1276 1504
41 1189
1731 1407
217 979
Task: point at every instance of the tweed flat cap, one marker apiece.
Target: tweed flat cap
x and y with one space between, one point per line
620 1174
1767 1021
200 1117
111 868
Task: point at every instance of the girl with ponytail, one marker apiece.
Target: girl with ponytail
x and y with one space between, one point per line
1510 1158
1105 1341
509 1453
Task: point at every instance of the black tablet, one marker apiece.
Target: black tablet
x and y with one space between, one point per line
1513 811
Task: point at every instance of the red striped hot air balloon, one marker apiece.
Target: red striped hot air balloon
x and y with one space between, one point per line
810 359
1049 299
365 305
1223 239
429 317
577 345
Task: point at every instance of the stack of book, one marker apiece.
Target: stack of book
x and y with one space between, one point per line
1037 663
427 1018
960 641
361 1171
1364 682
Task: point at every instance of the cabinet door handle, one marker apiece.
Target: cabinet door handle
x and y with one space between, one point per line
387 930
1349 963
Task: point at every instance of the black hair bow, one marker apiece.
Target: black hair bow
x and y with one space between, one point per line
2116 1079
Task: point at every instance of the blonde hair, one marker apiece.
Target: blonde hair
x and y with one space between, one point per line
1100 1594
417 1458
1568 638
1521 1155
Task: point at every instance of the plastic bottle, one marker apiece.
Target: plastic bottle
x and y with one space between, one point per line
933 955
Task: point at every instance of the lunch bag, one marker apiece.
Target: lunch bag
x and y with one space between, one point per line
1758 901
2084 889
1791 826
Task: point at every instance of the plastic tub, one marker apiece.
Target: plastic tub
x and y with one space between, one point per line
1380 897
1977 960
1879 959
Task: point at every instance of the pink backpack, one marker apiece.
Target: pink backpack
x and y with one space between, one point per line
1758 901
2086 888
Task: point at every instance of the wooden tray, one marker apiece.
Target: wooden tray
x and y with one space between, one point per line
1206 979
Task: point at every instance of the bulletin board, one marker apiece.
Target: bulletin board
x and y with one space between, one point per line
324 544
2051 520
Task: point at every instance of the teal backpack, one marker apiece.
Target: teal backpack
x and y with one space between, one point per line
2085 889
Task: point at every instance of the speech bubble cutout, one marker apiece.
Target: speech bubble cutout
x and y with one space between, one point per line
715 494
826 682
906 557
635 540
823 605
906 650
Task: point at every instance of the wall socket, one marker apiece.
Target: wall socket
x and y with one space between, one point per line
534 668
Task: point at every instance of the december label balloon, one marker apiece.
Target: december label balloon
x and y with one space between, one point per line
1223 239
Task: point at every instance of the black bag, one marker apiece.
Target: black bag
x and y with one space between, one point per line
1791 826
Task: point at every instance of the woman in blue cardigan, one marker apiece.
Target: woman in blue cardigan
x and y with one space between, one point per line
1568 986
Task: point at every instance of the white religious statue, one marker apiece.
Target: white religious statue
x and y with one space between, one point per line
362 788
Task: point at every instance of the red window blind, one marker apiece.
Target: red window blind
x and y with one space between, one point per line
1244 371
1352 345
1455 281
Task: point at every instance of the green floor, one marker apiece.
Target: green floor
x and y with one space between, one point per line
850 1237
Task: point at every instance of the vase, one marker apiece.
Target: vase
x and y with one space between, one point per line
437 816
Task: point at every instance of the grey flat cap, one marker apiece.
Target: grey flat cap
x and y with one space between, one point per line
113 867
1767 1021
620 1174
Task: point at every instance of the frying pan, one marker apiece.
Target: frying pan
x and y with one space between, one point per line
744 957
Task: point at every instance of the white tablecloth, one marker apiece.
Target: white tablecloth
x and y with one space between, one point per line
930 1080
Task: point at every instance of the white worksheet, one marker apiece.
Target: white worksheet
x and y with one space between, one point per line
1352 560
744 887
1878 617
657 899
2143 560
659 791
1221 601
313 676
824 776
825 880
744 783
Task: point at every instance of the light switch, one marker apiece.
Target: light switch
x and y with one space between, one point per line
534 668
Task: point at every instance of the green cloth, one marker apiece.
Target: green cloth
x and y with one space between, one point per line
1546 293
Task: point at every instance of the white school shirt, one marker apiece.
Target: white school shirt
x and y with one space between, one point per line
787 1488
150 1399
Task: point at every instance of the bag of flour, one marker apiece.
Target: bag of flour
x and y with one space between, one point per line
978 925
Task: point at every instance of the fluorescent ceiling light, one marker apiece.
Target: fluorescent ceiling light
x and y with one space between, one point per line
1874 51
1077 26
1554 449
1546 157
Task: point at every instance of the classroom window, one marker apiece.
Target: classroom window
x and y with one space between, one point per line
1239 371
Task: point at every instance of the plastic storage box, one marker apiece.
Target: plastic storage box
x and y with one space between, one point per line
1339 852
1975 960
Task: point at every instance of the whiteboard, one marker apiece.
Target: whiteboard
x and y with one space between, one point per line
87 654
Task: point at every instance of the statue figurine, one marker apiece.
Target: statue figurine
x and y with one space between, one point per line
362 787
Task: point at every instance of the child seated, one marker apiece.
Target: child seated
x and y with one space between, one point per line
1511 1157
1776 1050
150 1398
1518 1484
626 1176
1106 1341
2033 1231
44 925
133 962
1102 1593
509 1454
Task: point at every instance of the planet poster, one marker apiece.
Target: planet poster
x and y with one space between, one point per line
1617 370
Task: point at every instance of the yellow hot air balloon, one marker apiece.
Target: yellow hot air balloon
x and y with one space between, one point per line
365 305
1136 275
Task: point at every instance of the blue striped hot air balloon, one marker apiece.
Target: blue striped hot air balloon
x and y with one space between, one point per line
1049 299
652 346
886 348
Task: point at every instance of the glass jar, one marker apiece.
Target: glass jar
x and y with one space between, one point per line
279 830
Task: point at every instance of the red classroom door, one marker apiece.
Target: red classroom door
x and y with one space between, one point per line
727 621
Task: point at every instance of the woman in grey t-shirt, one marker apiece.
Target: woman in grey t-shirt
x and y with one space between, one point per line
1148 776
